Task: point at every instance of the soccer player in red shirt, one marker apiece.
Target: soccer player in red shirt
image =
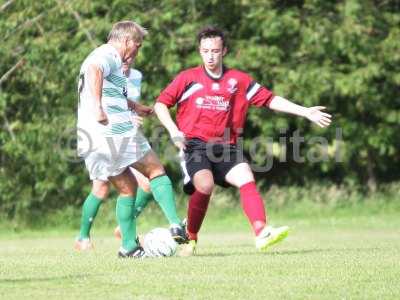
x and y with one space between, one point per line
212 102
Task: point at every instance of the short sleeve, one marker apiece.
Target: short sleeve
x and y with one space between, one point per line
257 94
108 63
172 93
106 59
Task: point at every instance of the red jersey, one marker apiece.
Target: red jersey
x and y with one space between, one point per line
208 108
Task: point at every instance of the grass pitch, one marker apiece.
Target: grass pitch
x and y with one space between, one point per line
346 258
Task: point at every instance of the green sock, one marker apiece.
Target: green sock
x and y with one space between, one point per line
89 211
164 195
142 199
125 211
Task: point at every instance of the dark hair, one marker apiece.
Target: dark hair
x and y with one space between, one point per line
210 32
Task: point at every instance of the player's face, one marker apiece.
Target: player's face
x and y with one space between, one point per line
132 48
212 52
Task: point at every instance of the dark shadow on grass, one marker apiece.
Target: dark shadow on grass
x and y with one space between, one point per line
42 279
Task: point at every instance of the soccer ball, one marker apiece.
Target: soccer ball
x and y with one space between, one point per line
159 242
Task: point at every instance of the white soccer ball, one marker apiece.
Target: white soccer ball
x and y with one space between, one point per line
159 242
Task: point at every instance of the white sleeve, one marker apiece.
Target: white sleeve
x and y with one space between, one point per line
107 63
105 59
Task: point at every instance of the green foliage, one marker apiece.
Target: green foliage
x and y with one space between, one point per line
344 54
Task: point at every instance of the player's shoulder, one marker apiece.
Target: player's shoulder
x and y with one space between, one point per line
238 73
108 52
104 49
190 72
242 77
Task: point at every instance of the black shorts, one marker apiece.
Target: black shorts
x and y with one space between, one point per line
218 158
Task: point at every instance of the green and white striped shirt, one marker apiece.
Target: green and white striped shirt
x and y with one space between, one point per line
114 96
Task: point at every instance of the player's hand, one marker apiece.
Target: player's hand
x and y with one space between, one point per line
101 116
137 120
316 115
143 110
178 138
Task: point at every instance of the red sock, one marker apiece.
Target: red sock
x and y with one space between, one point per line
197 209
253 206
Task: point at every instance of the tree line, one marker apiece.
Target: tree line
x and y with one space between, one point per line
341 54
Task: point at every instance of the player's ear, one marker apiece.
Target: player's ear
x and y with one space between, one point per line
224 51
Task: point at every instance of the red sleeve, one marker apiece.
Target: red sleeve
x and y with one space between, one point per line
258 95
171 94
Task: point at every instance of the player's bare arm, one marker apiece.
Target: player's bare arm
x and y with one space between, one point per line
140 109
315 114
165 118
96 86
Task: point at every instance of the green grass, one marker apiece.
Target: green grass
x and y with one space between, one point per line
331 257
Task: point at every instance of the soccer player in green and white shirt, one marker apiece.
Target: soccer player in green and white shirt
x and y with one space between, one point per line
110 142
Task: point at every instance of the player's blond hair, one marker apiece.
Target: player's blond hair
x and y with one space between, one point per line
127 30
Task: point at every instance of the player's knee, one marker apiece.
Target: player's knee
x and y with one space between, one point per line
240 175
126 191
206 186
156 170
100 190
101 193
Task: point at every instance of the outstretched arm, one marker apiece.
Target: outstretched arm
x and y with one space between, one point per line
165 118
315 114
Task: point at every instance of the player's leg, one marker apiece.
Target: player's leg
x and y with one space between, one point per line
143 196
242 177
126 185
197 208
203 182
188 187
90 208
198 167
161 187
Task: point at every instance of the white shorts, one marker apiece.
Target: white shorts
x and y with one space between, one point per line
114 155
